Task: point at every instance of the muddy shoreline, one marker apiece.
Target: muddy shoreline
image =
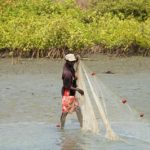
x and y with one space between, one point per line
133 50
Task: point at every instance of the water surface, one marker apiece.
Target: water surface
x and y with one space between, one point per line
30 105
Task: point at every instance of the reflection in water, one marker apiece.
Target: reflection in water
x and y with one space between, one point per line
69 143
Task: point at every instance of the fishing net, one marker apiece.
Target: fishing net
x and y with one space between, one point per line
102 106
89 119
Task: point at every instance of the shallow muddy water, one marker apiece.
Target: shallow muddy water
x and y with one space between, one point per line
30 105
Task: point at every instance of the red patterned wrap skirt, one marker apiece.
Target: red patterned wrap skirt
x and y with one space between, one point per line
69 103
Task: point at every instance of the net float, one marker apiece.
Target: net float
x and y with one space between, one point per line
93 73
58 125
124 101
142 115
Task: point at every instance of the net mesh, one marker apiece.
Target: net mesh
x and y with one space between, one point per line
102 106
89 119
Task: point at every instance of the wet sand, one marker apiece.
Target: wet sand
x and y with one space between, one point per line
30 103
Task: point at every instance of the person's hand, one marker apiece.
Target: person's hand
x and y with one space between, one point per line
81 91
78 58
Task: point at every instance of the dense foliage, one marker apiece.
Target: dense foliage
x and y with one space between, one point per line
44 25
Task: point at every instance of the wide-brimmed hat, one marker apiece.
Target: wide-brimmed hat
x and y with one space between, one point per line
70 57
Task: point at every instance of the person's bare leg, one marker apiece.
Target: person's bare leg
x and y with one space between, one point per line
63 119
79 115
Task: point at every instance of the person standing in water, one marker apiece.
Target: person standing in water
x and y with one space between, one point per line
69 101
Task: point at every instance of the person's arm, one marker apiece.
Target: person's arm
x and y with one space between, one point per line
78 90
67 85
77 63
76 73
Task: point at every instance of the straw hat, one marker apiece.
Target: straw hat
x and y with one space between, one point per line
70 57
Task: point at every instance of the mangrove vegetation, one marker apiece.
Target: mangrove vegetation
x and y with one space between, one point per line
49 28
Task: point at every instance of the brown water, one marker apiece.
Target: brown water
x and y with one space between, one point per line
30 105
